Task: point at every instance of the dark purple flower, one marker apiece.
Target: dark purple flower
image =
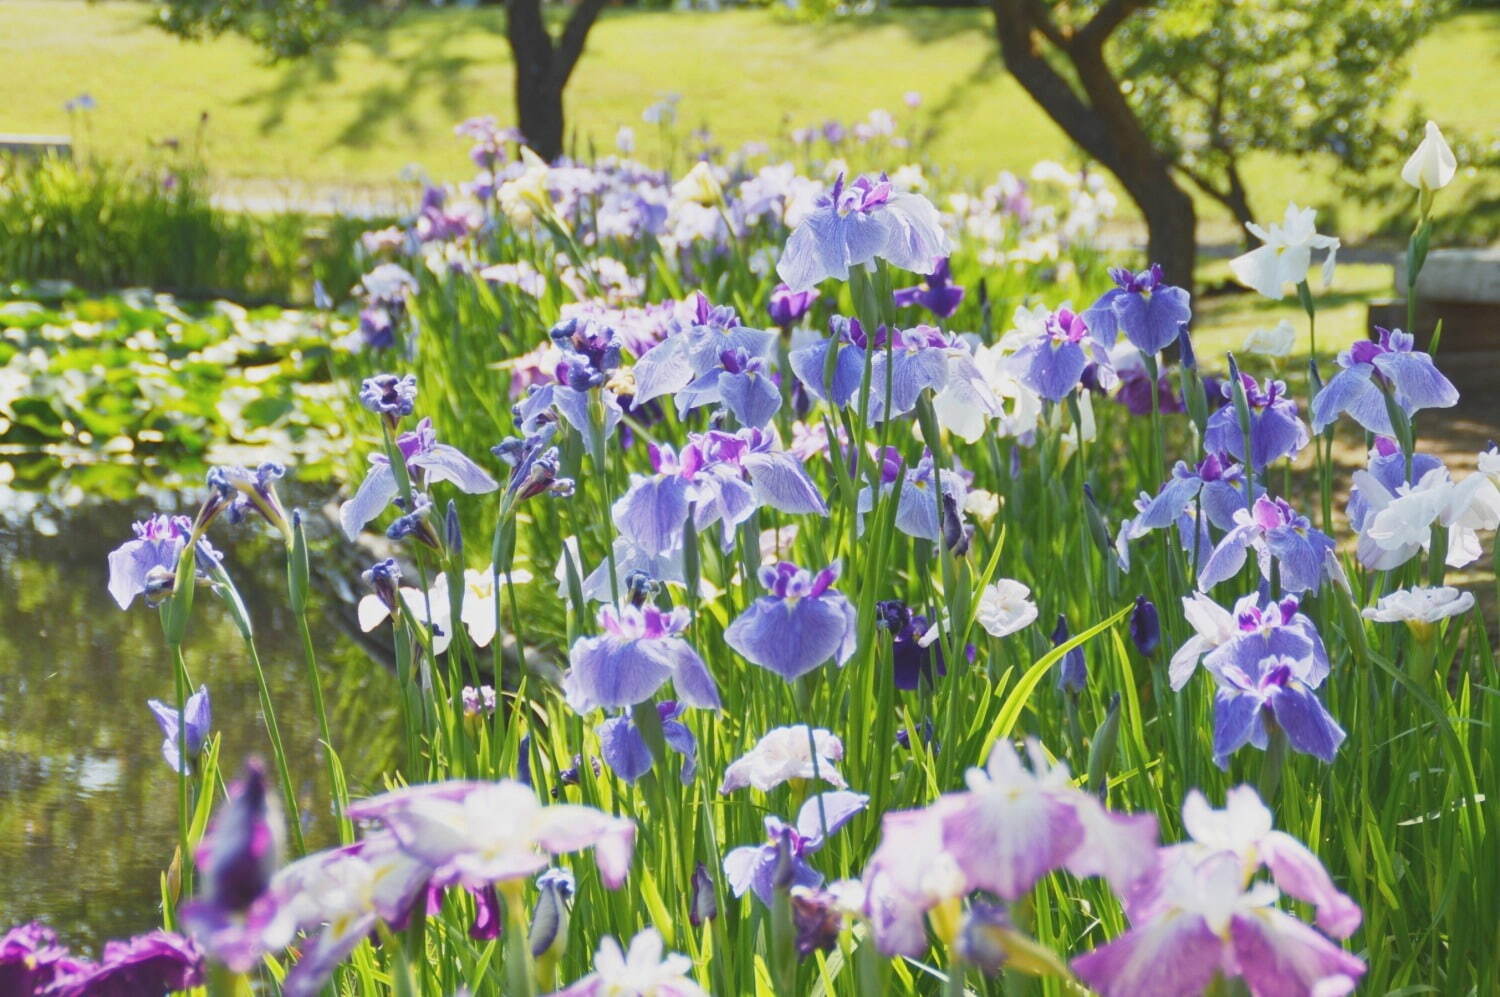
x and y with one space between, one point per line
704 906
32 960
916 653
197 716
1150 313
938 294
235 918
1275 429
1073 669
817 919
801 623
1371 368
156 963
787 307
1145 626
534 464
1135 393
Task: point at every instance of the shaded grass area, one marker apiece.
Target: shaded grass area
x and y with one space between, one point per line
388 98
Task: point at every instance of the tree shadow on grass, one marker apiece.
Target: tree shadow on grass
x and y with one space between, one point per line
427 65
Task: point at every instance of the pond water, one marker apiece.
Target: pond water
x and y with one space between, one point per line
87 812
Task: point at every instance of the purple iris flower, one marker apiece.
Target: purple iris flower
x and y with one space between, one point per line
921 359
243 491
810 364
919 513
197 715
377 328
389 395
1371 368
938 294
639 650
147 565
1149 312
627 754
235 917
916 653
1215 483
723 477
1135 393
740 384
1251 633
787 307
855 224
1145 626
534 464
158 962
1274 689
798 625
1275 429
32 960
1279 534
591 354
694 349
424 456
1387 465
1053 362
1073 669
781 863
1207 922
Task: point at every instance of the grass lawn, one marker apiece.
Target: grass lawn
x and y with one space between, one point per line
360 114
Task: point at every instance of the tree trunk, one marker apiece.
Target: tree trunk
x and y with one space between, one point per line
539 111
1100 120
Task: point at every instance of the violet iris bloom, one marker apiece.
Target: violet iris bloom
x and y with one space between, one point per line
426 460
787 307
244 491
1202 910
1254 631
390 396
741 384
1373 367
590 356
158 962
1135 393
798 625
1387 465
147 565
694 349
534 463
781 863
856 224
1209 919
724 477
32 960
916 653
639 650
1073 668
1275 429
920 513
1278 534
236 917
938 294
810 364
1052 362
1149 312
1215 483
1018 822
1271 690
478 833
625 750
921 359
197 716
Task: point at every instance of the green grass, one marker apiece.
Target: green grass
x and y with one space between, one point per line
362 113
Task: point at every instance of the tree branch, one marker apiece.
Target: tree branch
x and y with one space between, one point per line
570 45
1110 16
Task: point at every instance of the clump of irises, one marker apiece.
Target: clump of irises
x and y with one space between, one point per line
794 695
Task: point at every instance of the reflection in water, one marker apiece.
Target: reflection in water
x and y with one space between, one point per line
87 812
